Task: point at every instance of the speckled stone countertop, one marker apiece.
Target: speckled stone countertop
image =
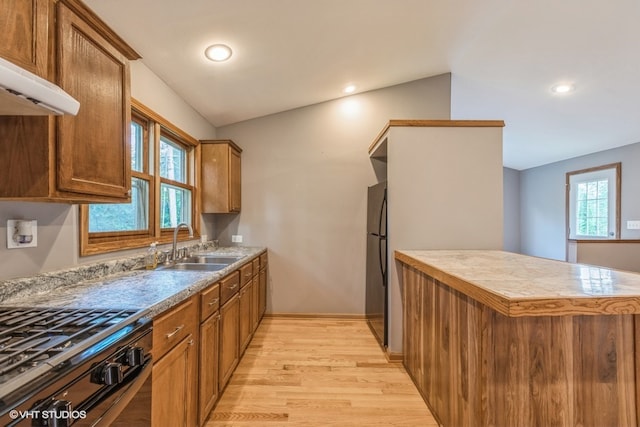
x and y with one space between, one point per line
518 285
114 284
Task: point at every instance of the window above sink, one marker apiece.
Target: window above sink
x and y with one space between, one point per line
163 190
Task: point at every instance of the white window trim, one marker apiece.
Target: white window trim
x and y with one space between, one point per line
612 173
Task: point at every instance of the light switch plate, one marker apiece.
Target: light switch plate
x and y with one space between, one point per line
12 242
633 225
236 238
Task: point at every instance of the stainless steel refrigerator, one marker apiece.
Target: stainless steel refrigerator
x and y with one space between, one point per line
376 286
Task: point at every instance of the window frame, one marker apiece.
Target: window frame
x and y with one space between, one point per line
154 126
616 168
190 177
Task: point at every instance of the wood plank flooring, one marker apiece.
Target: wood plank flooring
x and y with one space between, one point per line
318 372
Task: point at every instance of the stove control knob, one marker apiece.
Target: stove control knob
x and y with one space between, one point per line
135 356
110 374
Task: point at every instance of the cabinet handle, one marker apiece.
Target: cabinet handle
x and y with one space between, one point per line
129 193
235 285
214 301
175 331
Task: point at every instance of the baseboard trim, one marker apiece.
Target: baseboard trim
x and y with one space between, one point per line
315 316
394 357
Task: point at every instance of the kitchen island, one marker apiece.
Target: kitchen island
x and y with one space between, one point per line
493 338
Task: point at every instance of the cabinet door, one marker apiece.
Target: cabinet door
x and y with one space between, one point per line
209 336
220 176
255 302
245 317
25 34
235 194
263 292
173 400
93 147
229 340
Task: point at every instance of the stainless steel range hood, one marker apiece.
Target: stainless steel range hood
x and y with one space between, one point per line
22 93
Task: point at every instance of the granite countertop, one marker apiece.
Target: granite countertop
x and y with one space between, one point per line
101 285
519 285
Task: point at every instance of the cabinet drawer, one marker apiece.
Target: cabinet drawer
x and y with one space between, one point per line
256 266
172 326
263 260
229 286
209 301
246 273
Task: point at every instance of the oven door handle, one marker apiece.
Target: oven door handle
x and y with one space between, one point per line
118 405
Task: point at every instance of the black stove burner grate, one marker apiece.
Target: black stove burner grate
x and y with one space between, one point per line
31 336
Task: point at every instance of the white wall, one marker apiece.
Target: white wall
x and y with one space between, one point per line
58 223
304 179
543 199
511 181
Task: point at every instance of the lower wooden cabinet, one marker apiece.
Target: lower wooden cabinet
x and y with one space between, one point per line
229 340
197 345
173 400
246 322
255 301
262 307
208 377
175 352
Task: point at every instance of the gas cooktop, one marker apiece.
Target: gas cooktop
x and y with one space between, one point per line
34 340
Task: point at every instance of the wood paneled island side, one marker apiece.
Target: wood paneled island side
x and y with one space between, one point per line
493 338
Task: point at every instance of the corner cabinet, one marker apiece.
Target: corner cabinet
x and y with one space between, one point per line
83 158
221 172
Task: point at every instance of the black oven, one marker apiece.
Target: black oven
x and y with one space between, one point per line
74 367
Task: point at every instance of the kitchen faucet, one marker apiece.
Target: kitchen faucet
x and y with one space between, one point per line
174 251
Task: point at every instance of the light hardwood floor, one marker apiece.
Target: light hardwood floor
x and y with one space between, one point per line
308 372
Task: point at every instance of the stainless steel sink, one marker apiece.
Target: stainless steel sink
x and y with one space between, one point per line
210 259
194 266
202 262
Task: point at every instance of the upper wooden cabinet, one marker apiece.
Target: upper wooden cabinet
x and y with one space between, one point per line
25 34
93 147
85 158
220 183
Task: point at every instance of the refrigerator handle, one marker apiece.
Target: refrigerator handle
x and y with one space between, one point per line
381 216
381 255
382 261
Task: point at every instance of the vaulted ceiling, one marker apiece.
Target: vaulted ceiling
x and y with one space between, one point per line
504 58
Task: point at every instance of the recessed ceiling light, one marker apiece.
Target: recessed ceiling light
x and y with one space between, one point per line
218 52
562 88
349 89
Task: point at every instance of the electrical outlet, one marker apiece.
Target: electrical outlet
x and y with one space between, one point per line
236 238
633 225
22 233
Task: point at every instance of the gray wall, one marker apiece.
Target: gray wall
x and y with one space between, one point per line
511 205
58 223
543 199
304 179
